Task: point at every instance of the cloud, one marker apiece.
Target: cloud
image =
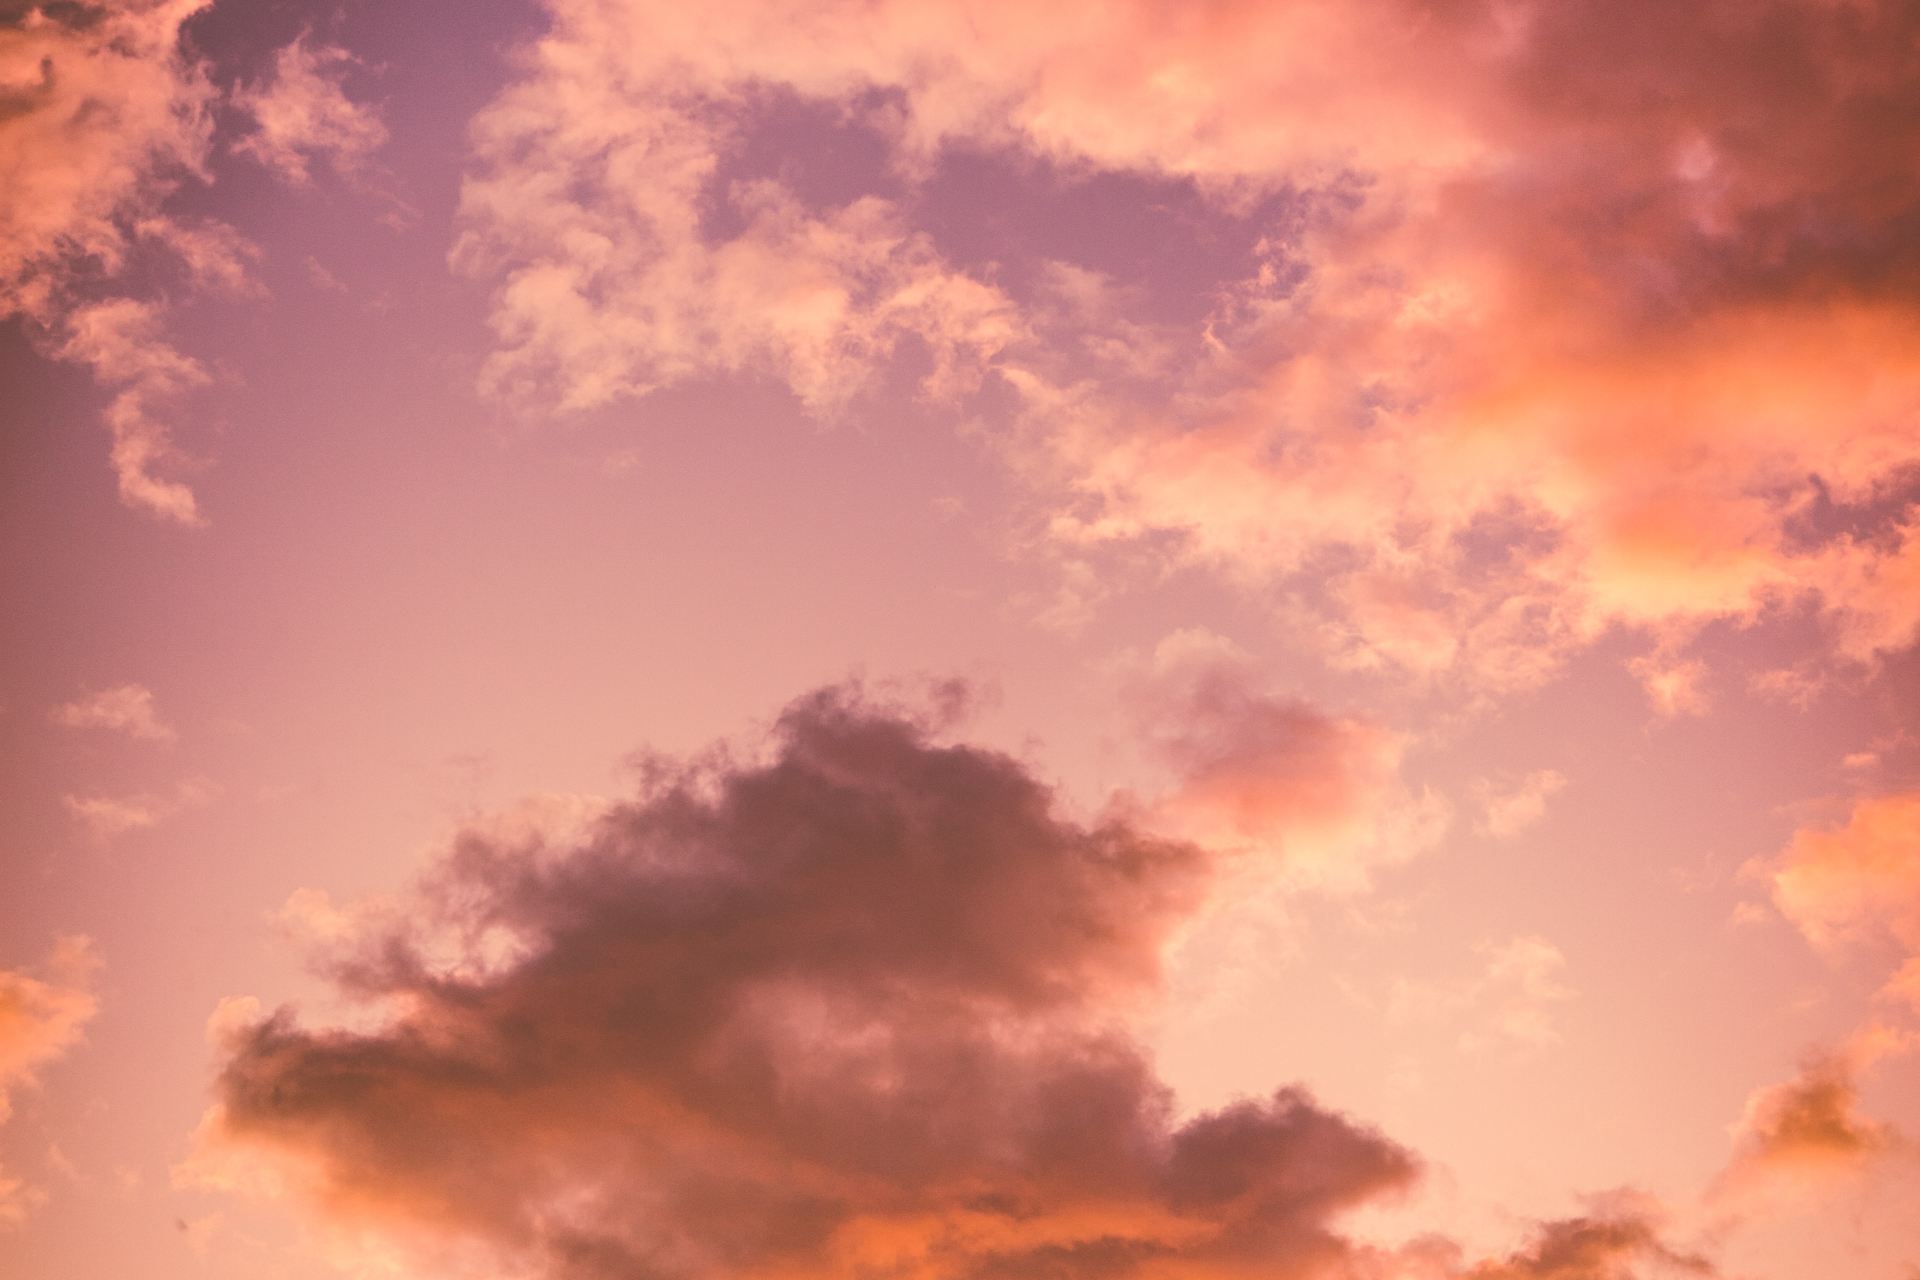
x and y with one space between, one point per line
1616 1243
1856 880
1526 439
126 708
121 341
1807 1134
846 1007
1509 808
41 1018
1528 353
102 114
1809 1121
98 115
108 816
302 113
616 292
1317 800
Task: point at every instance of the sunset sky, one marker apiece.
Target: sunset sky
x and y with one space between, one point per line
960 640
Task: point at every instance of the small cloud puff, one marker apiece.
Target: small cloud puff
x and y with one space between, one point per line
126 708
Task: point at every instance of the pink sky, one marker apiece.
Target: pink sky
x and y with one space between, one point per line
943 639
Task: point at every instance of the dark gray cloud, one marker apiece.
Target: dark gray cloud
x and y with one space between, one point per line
843 1010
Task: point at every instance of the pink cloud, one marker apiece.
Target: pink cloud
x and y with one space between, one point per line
1315 800
122 341
1529 371
1509 806
105 817
99 118
301 113
126 708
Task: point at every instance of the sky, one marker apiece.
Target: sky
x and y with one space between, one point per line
959 640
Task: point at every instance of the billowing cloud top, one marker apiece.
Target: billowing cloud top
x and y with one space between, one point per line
844 1010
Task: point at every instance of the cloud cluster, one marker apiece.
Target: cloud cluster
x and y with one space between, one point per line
40 1019
99 114
1578 316
847 1008
1849 884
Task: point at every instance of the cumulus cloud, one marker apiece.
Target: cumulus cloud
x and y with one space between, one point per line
41 1017
1532 353
1808 1134
1529 438
302 113
126 708
846 1007
854 1003
1810 1121
1620 1242
1856 880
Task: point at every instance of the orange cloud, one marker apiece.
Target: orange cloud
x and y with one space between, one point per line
1807 1134
1516 372
40 1019
1856 879
1809 1122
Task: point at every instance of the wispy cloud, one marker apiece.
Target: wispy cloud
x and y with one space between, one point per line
108 816
302 113
126 708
